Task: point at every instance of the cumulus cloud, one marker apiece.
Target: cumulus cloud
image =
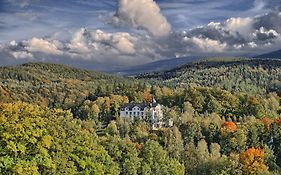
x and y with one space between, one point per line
98 41
238 35
242 26
263 34
209 45
143 14
79 42
85 44
31 49
232 37
123 43
21 55
41 45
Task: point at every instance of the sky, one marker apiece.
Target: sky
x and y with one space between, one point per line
112 34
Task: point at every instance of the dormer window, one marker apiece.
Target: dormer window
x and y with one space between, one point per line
126 109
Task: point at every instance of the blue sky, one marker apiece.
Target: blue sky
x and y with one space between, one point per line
56 23
21 19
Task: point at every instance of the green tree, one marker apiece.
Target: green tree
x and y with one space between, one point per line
124 152
156 161
37 140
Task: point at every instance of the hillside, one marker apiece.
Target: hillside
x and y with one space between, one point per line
36 72
160 65
61 120
275 54
52 84
243 75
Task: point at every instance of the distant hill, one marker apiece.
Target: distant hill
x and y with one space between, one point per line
243 75
52 85
37 72
275 54
61 86
156 66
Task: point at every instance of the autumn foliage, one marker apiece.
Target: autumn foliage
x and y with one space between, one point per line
253 161
230 126
277 120
138 146
148 98
253 100
267 122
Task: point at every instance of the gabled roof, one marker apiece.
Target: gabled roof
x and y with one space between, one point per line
142 106
130 106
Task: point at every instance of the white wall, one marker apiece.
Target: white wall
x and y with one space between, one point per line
156 114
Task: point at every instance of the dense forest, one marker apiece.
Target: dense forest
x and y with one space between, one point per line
61 120
244 75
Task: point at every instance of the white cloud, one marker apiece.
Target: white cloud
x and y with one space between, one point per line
41 45
144 14
122 43
238 36
242 26
252 44
209 45
98 41
79 42
13 43
21 55
235 36
263 34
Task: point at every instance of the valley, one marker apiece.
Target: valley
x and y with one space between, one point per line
216 113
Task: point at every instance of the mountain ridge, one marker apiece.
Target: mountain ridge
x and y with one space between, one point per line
159 65
275 54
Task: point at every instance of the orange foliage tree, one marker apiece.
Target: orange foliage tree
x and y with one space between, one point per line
138 146
148 98
230 126
277 120
253 161
267 122
253 100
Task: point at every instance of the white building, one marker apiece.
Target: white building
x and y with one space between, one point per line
151 112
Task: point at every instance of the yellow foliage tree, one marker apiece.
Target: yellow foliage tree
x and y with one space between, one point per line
253 161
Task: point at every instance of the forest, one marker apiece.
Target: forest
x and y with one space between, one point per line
61 120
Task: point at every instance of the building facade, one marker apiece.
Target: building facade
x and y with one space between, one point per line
151 112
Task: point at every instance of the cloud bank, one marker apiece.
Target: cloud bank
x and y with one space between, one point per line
143 14
107 49
240 35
